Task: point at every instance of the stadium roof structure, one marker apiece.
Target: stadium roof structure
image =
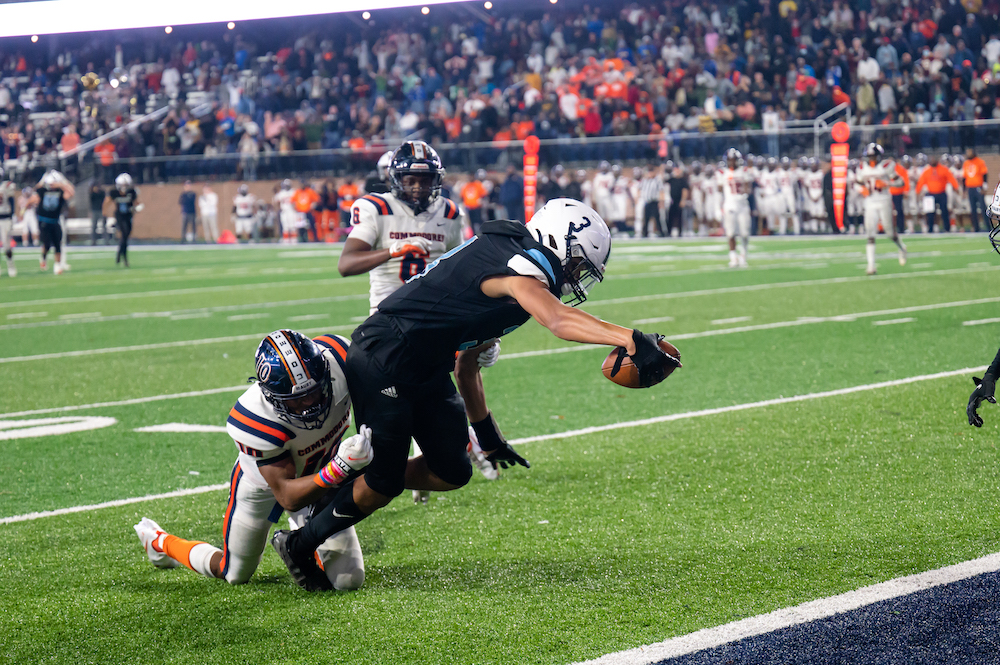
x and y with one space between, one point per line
53 17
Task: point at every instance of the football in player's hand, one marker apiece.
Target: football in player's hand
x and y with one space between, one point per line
627 375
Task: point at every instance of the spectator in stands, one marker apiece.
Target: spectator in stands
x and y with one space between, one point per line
188 214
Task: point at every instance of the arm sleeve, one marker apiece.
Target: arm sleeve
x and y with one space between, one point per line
365 223
994 369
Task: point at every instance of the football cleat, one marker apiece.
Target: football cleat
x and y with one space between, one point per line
149 532
902 257
57 268
11 268
421 497
306 573
734 263
870 271
42 265
742 262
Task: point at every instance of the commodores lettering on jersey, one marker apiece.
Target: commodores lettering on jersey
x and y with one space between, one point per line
402 235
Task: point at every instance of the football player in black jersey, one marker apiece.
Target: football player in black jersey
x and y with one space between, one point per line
126 200
399 364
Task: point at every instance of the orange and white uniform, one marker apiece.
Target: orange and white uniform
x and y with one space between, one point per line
381 219
262 438
873 183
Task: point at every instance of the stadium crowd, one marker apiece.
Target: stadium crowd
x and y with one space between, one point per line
569 71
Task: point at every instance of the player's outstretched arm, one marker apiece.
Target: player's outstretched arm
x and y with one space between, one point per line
564 322
985 388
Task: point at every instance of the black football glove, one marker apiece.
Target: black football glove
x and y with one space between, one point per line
984 391
507 457
649 359
491 439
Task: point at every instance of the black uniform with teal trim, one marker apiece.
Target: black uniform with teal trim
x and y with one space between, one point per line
399 364
50 207
124 210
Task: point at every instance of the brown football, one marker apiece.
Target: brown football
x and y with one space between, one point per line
628 375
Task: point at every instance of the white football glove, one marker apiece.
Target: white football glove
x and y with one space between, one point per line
412 245
140 207
489 357
353 454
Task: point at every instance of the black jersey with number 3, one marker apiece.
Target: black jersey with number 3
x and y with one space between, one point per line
124 203
418 328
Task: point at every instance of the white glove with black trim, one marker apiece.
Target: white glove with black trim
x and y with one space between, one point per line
489 357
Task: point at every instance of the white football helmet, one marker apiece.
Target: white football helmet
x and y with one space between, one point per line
51 178
581 240
382 167
123 181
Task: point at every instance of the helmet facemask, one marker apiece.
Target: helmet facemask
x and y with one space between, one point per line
419 197
305 409
580 274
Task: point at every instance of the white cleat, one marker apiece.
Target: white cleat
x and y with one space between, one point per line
902 257
11 269
870 271
485 466
148 531
742 262
734 263
421 497
57 268
42 265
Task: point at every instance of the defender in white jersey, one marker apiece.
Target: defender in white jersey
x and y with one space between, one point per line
872 182
735 185
286 211
396 235
712 196
603 183
8 205
910 209
769 205
287 429
243 212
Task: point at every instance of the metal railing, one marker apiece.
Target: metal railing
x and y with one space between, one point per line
898 139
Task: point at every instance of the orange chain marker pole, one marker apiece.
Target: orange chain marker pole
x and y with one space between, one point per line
839 152
531 145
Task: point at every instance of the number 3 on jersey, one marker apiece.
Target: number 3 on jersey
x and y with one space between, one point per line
410 266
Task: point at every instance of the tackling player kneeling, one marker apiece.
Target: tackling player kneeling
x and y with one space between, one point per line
872 182
288 428
398 367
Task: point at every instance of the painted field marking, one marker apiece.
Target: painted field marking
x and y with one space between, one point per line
180 314
126 402
658 319
27 315
735 319
979 322
533 439
709 638
181 428
309 317
892 322
26 429
81 315
248 317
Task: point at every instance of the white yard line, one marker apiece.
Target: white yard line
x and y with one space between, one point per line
800 614
658 319
248 317
979 322
530 439
892 322
735 319
27 315
126 402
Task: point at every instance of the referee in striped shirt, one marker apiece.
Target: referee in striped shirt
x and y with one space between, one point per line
650 189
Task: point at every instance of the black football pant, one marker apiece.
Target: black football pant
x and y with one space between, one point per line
124 231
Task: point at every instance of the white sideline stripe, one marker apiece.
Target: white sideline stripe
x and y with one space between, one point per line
658 319
248 317
709 638
801 321
781 285
749 405
81 315
892 322
529 439
181 427
309 317
111 504
735 319
27 315
180 314
158 345
979 322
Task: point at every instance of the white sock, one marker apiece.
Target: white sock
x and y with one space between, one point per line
744 245
201 558
732 256
870 250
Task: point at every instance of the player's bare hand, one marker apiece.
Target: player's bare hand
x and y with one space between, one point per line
984 391
412 245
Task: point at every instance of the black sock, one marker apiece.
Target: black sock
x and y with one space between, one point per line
325 523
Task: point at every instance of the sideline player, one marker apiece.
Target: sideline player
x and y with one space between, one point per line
399 364
770 201
788 198
735 185
378 183
49 199
126 201
603 182
396 235
286 211
873 179
287 429
243 212
813 207
8 205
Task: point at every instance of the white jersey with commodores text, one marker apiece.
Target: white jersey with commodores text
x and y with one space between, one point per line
379 220
263 438
736 185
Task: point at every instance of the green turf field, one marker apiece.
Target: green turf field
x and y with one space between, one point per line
613 539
